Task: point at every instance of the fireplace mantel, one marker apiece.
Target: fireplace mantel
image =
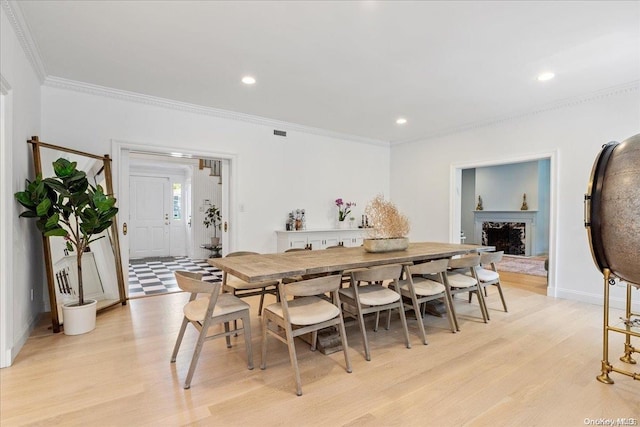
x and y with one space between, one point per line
528 217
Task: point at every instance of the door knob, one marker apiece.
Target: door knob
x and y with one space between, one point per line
225 226
124 228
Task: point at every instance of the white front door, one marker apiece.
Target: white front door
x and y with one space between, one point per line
150 213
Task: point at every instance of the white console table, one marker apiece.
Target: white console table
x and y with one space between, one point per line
319 239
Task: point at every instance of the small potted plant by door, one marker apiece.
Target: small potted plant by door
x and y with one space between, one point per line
389 228
212 218
66 205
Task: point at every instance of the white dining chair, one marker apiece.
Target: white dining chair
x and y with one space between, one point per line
204 312
304 309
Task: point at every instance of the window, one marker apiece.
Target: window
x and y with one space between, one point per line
177 200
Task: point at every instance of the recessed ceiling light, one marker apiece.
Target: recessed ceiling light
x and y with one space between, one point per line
401 121
545 76
248 80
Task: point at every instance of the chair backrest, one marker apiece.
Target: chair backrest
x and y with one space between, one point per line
431 267
377 274
465 261
192 282
317 286
487 258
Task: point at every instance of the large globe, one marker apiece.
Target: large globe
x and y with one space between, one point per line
614 223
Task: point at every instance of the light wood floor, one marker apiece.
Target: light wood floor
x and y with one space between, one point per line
533 366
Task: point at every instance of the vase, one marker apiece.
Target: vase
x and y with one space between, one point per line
343 224
386 245
79 319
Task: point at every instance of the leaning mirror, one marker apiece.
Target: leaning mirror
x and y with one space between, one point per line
102 274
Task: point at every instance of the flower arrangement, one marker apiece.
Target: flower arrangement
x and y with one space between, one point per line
385 220
344 209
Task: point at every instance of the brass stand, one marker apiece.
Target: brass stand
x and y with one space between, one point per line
627 331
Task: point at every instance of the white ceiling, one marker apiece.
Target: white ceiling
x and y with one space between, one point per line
346 67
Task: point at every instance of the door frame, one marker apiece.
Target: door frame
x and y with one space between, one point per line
455 201
120 150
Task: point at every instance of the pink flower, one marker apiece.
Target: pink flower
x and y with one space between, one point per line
343 212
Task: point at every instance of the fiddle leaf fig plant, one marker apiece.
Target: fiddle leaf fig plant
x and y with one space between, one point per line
67 206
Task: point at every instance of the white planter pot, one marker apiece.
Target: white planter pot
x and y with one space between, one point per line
386 245
79 319
344 225
215 241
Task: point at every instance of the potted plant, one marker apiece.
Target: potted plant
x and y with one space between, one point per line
212 218
68 206
344 209
389 227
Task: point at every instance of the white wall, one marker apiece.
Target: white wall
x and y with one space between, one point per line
21 242
274 174
576 132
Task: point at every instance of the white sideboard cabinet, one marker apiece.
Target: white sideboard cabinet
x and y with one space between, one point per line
319 239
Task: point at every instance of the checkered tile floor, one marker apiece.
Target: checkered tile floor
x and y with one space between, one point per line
156 277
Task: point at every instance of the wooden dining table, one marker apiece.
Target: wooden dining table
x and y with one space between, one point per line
260 267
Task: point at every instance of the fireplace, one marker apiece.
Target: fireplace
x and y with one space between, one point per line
509 237
510 231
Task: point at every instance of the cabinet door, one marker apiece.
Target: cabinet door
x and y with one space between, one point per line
351 240
322 241
299 242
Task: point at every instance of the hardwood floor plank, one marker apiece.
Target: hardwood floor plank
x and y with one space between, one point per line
535 365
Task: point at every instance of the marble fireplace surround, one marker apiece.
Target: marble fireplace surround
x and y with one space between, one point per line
526 217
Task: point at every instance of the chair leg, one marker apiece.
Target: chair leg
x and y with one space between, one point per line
226 329
420 319
482 304
314 340
389 319
265 325
261 302
176 347
404 324
363 331
504 304
246 327
345 346
453 310
196 354
294 358
452 320
375 328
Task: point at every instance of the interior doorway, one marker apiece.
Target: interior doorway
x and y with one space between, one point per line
174 181
457 204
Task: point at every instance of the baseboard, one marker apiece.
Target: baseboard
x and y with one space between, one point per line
597 299
17 346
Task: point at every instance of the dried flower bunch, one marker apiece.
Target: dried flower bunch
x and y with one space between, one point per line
385 220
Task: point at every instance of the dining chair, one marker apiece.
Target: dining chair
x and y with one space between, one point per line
243 289
462 277
204 312
425 282
488 275
304 309
367 294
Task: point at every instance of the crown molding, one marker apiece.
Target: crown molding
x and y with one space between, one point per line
630 87
61 83
21 28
